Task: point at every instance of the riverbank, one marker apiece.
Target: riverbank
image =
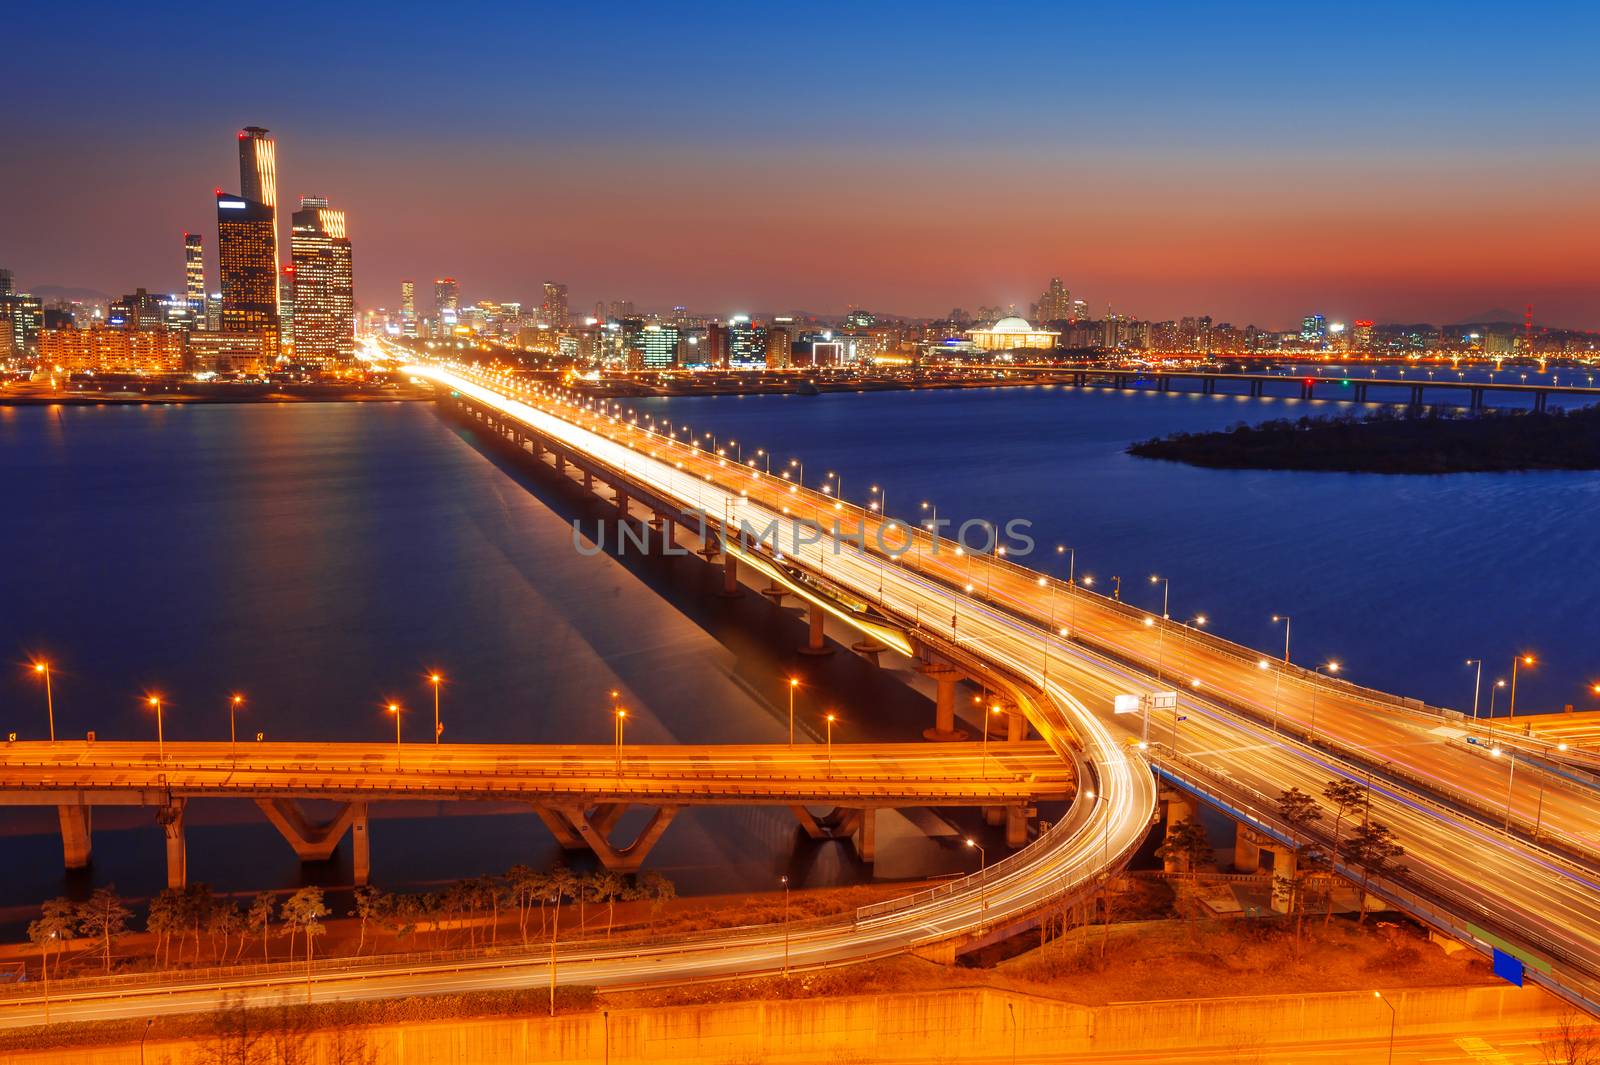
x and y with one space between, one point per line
243 394
1392 441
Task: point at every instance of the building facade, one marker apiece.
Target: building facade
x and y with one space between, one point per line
324 285
247 260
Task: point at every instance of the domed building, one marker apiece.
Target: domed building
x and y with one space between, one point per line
1010 334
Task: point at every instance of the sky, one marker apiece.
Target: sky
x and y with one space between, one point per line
1257 162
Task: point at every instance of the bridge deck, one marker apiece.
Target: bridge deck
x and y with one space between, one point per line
887 774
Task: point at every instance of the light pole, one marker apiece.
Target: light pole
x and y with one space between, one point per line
394 708
621 720
1520 660
1511 778
1494 690
830 719
161 743
983 856
785 880
1477 685
794 682
1332 668
438 728
233 729
42 668
1393 1017
1166 589
983 750
1277 684
1161 647
1287 620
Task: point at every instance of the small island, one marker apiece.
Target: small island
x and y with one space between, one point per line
1394 440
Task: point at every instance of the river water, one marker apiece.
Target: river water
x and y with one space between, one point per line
321 558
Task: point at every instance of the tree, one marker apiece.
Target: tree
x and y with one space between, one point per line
58 921
1372 848
303 912
370 904
1574 1041
608 888
525 887
1347 796
559 885
585 890
657 888
400 916
1298 812
226 921
104 917
164 917
198 902
1187 842
259 919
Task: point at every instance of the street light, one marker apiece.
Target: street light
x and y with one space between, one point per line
983 756
1277 684
1332 668
1520 660
1393 1016
233 732
1494 690
394 708
438 728
785 880
1477 685
983 856
42 668
1166 589
830 719
621 716
161 748
794 682
1287 620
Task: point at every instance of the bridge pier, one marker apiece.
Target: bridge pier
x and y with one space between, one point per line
859 825
816 644
944 728
594 830
1307 390
1247 847
588 480
76 842
1176 807
561 462
1257 389
1361 391
316 843
622 505
1016 826
568 839
1416 395
730 577
170 818
1476 401
1540 401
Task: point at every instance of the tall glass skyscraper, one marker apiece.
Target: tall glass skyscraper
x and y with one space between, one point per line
248 263
324 303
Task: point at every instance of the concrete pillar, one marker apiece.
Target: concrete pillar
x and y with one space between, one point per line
1179 808
994 816
1284 865
1016 826
816 645
170 817
622 505
588 481
75 839
944 708
669 535
730 577
867 836
561 462
1016 727
1246 850
360 845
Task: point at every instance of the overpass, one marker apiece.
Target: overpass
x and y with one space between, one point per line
579 792
1507 851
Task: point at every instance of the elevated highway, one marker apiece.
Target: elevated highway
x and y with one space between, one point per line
579 792
1464 817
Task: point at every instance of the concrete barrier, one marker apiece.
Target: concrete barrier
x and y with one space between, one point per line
966 1024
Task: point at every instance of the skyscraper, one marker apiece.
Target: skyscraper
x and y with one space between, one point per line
554 312
324 304
247 249
408 308
258 177
194 272
446 304
1056 303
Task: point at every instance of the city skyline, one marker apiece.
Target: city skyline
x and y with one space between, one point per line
872 162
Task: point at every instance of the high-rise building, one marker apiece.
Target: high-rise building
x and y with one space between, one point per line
408 308
8 282
715 350
1313 329
780 346
324 288
194 272
747 342
286 304
258 177
247 250
554 312
1055 305
446 304
652 346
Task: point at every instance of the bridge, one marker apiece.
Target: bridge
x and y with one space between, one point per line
1347 387
579 792
1495 842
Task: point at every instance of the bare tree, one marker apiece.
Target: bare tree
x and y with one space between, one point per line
1573 1041
104 917
370 904
259 919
